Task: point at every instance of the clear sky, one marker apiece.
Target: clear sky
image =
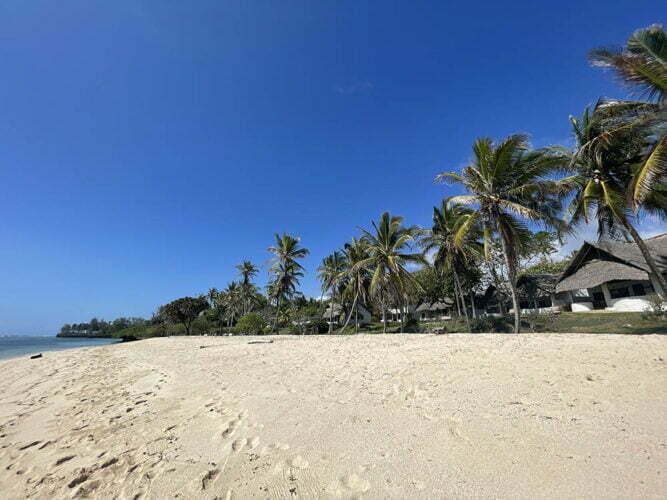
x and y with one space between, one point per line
146 147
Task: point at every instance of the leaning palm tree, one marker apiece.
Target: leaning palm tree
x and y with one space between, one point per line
456 242
509 184
642 66
330 273
600 181
285 267
357 277
388 256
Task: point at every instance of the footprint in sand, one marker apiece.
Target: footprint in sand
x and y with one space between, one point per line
253 442
208 477
239 444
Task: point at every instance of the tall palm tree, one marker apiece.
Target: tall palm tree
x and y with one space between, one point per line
212 296
330 273
642 66
388 256
357 277
599 184
456 243
247 270
508 182
230 300
285 267
248 291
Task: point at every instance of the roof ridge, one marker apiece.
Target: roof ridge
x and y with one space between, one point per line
656 237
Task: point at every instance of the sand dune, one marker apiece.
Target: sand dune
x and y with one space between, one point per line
382 416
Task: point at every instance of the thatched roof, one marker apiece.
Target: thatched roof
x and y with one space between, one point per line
542 284
436 306
600 262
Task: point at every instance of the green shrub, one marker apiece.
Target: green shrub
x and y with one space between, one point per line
490 324
250 324
411 326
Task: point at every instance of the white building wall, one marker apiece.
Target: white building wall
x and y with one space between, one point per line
627 304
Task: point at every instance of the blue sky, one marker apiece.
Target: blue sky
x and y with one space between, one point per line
149 146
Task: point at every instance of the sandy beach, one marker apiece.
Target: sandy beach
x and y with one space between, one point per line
368 416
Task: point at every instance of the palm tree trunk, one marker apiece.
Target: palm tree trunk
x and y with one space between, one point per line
356 320
354 303
384 317
512 281
648 258
457 284
275 320
472 303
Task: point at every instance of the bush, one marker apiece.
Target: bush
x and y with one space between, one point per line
250 324
320 325
411 326
490 324
657 307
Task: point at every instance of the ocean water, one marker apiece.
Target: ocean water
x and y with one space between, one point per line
12 346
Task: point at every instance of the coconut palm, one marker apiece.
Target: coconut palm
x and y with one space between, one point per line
285 268
357 277
230 300
212 296
508 183
388 256
456 243
642 66
248 291
330 273
601 178
247 270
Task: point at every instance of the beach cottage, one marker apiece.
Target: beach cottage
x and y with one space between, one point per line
613 276
438 311
335 314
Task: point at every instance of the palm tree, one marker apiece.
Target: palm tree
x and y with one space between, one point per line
388 256
212 296
642 66
506 181
601 178
456 243
330 273
356 276
247 270
285 267
230 300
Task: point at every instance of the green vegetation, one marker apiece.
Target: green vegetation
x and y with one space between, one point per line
478 241
250 324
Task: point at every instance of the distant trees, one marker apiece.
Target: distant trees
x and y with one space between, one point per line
184 310
99 327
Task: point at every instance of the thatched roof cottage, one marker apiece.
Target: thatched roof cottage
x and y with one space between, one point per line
612 275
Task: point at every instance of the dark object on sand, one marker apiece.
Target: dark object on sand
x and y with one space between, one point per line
261 342
35 356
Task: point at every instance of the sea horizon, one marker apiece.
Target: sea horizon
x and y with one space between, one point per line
14 345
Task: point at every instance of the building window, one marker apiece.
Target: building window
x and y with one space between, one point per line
618 293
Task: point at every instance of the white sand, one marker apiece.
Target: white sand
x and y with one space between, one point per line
381 416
